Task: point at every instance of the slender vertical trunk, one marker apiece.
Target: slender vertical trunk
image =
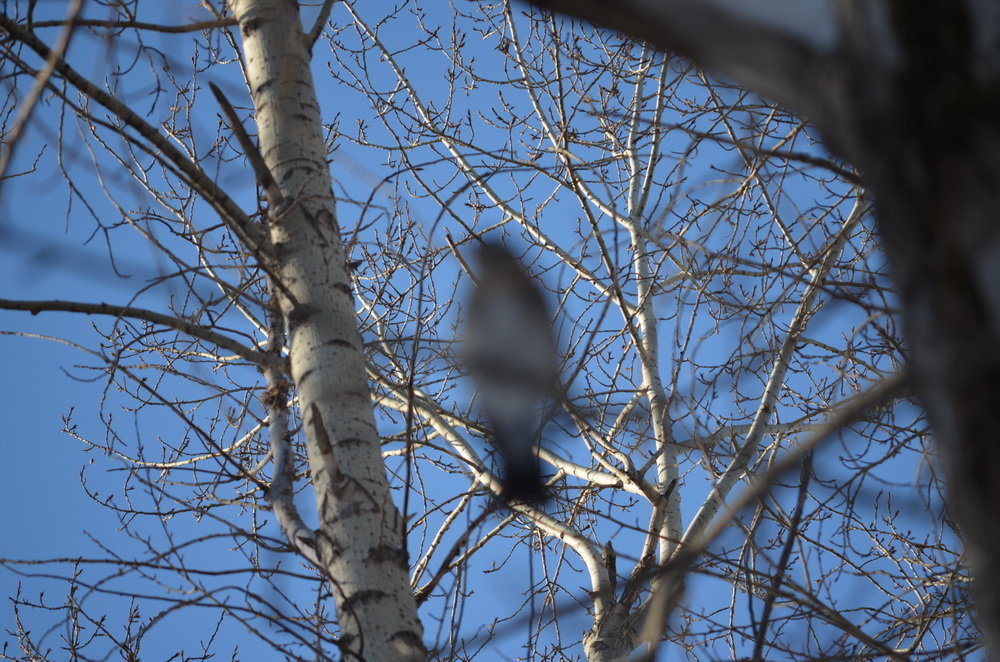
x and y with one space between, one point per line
360 542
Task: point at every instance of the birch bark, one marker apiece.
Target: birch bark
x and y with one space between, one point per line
360 543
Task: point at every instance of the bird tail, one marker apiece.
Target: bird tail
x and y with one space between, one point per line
522 482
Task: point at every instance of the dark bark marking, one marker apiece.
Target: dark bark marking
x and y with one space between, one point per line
250 26
299 315
389 554
352 602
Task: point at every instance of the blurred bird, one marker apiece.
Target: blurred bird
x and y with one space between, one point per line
511 353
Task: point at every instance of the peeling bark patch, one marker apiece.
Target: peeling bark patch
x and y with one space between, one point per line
325 447
299 315
250 26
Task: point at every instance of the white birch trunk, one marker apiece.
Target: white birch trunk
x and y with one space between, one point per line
360 543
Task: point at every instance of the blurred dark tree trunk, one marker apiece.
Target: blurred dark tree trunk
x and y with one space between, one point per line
911 97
